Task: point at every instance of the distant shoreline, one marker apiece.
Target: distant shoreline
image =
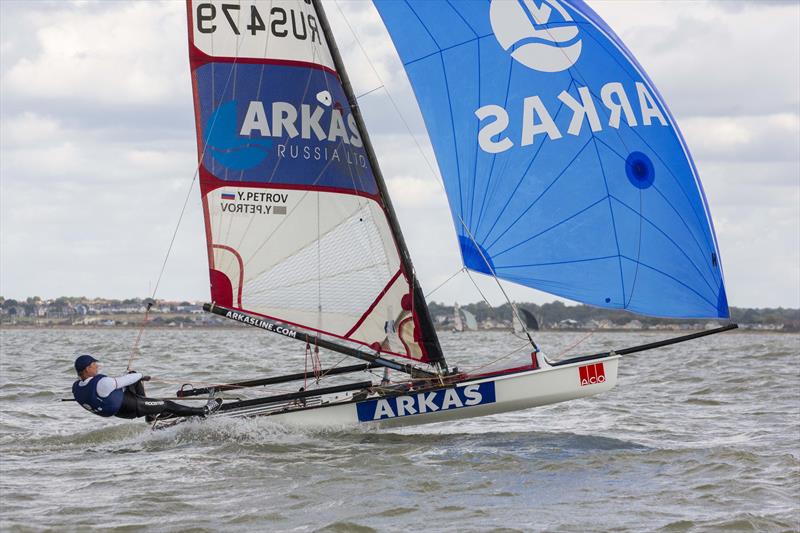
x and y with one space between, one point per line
71 312
244 328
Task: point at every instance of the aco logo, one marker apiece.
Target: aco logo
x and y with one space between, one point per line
540 34
592 374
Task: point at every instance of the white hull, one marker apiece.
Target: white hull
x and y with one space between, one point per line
473 397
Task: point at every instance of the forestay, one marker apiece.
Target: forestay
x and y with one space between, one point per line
296 225
564 169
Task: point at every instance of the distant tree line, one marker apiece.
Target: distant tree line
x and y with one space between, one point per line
554 312
549 313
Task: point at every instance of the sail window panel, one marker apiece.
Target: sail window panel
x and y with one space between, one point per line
263 238
322 264
340 273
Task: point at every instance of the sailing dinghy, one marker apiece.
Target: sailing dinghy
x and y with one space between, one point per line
463 320
530 322
563 167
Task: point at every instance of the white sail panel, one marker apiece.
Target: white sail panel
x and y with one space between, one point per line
286 30
321 259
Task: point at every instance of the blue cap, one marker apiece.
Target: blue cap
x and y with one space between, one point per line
82 362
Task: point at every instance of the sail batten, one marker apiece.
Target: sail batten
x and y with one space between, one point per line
564 168
298 224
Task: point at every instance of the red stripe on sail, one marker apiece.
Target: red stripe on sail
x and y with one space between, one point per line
198 59
372 306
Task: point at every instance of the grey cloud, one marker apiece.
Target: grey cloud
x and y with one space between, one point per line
737 6
100 190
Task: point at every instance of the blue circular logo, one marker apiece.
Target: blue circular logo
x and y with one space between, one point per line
640 171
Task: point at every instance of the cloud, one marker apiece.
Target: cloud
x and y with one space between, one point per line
745 137
708 59
100 54
99 150
28 128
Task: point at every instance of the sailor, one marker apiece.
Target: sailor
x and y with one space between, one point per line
124 396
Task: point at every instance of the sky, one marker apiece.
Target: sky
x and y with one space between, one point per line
98 153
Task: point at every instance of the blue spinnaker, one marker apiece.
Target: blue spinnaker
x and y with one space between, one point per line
564 169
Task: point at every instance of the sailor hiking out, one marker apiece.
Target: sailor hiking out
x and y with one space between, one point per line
124 396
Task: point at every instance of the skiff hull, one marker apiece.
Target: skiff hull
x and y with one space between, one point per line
475 396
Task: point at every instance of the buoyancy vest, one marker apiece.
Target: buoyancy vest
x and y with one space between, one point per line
87 397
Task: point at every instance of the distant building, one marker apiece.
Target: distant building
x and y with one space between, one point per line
568 323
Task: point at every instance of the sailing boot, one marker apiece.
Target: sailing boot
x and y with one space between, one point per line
212 406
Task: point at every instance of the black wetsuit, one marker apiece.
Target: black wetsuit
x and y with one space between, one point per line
136 404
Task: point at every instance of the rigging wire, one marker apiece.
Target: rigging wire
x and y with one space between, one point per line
388 94
442 284
477 288
506 356
500 285
135 348
576 344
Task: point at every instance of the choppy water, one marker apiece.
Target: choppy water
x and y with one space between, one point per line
703 436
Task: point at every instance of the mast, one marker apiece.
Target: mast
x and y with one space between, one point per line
428 337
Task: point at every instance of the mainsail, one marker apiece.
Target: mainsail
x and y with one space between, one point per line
531 324
469 320
458 322
298 224
564 169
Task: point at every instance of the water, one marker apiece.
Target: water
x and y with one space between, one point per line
703 436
